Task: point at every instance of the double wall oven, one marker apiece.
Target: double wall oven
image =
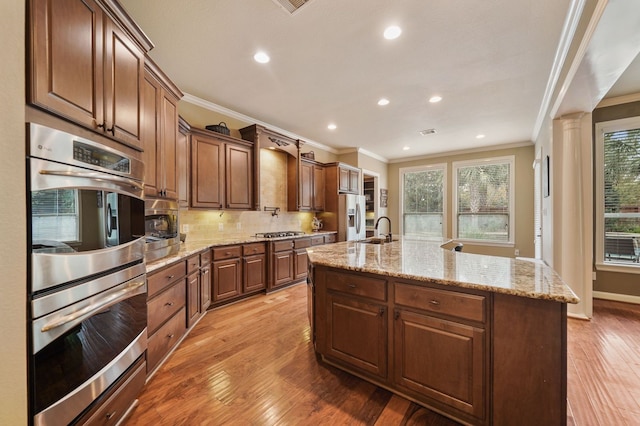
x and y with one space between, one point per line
87 282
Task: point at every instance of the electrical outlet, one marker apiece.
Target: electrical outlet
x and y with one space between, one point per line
593 275
517 253
185 228
221 227
238 226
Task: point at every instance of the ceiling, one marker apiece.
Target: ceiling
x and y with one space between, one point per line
489 60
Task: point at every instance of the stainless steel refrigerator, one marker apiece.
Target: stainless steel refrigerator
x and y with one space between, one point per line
351 211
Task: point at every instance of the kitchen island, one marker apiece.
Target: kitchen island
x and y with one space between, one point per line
480 339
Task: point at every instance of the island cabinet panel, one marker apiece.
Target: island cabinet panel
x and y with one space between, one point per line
441 360
530 361
446 302
357 333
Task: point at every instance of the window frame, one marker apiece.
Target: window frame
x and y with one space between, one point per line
510 160
429 167
600 129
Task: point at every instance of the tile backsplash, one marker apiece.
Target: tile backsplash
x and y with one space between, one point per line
209 224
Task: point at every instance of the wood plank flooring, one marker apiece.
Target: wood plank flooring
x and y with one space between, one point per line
252 363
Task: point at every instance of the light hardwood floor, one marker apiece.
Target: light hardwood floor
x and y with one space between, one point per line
252 363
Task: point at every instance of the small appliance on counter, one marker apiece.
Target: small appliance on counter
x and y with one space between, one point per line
316 224
161 228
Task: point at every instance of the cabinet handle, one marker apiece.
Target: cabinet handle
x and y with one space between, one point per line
205 271
112 130
381 311
434 302
170 276
168 304
110 415
228 253
170 336
396 314
351 285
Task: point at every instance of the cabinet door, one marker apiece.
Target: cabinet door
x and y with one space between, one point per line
305 187
301 263
169 135
193 298
318 188
239 177
354 181
344 180
226 279
205 287
207 172
254 270
123 77
182 166
441 360
282 267
360 335
151 95
67 81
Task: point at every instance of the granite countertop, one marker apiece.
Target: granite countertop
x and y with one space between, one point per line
189 248
424 260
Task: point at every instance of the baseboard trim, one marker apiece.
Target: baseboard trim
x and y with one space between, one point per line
616 297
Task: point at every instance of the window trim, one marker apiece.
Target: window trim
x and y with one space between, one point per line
602 128
413 169
508 159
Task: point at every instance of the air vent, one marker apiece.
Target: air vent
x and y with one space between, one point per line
426 132
290 5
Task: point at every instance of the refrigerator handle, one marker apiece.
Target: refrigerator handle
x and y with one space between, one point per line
358 219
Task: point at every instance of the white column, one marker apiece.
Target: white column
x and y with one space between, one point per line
572 229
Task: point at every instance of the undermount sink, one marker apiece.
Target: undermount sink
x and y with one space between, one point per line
376 240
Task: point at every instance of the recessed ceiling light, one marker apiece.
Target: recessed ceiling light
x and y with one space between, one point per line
406 148
332 126
426 132
383 102
392 32
480 137
435 99
261 57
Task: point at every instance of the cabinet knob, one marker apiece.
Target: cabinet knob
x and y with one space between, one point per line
110 415
352 285
381 311
434 302
170 336
170 277
168 304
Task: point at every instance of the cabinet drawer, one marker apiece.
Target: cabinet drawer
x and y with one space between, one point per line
161 342
114 408
373 288
302 243
161 279
453 303
317 240
330 238
205 258
227 252
163 306
251 249
282 245
193 263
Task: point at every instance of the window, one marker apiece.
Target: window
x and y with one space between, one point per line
483 200
618 192
423 201
55 215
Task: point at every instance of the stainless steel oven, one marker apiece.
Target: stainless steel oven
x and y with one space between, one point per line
87 282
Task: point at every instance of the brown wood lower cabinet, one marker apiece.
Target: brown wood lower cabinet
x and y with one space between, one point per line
166 311
227 273
479 357
198 286
254 268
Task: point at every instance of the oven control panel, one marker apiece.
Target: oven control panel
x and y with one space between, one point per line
95 156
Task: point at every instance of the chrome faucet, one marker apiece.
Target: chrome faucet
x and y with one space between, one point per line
389 238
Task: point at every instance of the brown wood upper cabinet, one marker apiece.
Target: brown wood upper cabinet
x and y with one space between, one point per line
306 185
342 178
86 68
222 171
182 157
160 133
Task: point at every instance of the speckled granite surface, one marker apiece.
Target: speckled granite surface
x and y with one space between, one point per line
424 260
189 248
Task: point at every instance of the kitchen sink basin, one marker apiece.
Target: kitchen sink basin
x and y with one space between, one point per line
375 240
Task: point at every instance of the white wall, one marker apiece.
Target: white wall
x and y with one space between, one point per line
13 351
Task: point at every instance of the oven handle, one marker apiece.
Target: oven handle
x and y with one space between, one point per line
97 176
91 309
